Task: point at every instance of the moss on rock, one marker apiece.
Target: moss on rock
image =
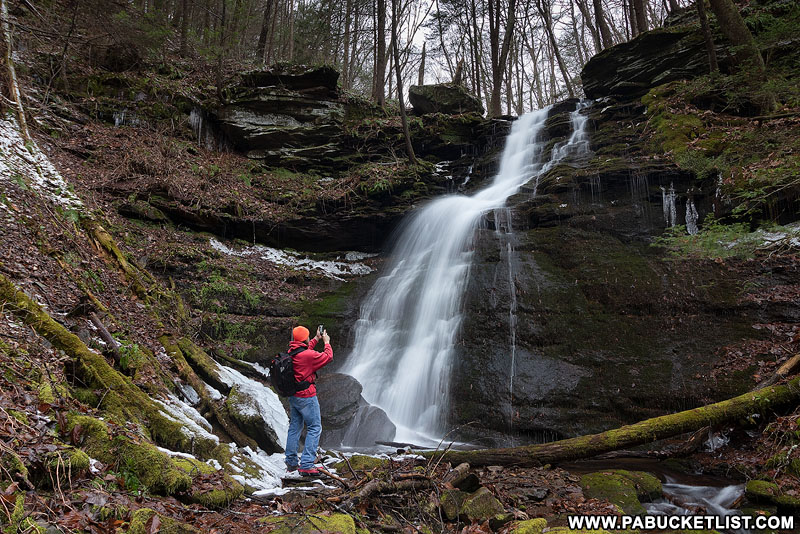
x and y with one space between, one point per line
224 492
360 462
531 526
308 524
141 518
451 502
154 469
481 505
623 488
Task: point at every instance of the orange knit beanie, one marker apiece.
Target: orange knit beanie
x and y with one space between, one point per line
300 333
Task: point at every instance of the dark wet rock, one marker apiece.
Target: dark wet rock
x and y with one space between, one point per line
348 419
586 313
339 397
659 56
284 115
117 57
445 98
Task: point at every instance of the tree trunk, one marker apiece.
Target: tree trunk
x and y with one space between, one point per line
544 11
378 95
16 95
412 158
583 7
576 35
348 12
632 19
290 51
712 54
762 401
641 16
499 53
747 53
421 77
261 49
184 27
600 20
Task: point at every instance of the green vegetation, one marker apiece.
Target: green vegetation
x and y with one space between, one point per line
717 240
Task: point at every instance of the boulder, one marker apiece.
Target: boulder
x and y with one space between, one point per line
339 397
632 68
626 489
255 416
446 98
289 115
347 418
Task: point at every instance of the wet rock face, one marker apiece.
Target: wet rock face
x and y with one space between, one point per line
445 98
605 329
347 418
655 57
283 116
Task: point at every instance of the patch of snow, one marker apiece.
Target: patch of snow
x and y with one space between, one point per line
189 393
331 269
177 454
271 468
213 393
267 404
214 463
193 423
263 370
95 467
21 160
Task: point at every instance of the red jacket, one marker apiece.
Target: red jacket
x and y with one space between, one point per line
307 363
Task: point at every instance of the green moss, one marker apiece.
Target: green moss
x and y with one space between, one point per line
481 505
47 395
308 524
138 524
13 464
69 459
451 502
153 468
18 520
225 491
22 417
360 462
531 526
623 488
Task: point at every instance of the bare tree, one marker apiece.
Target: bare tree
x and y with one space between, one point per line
499 52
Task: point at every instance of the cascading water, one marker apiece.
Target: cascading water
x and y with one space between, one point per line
409 320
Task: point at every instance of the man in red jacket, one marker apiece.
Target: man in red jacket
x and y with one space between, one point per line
304 404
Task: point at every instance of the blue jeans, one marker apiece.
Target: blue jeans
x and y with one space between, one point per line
303 410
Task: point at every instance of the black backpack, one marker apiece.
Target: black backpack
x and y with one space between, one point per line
281 373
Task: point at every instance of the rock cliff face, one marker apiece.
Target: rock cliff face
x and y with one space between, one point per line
606 330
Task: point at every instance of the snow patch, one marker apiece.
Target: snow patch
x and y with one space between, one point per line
263 370
331 269
177 454
271 468
194 424
267 404
25 163
213 393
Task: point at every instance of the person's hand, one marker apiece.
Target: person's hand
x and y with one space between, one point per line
326 338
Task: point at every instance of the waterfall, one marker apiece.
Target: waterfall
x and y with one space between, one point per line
409 320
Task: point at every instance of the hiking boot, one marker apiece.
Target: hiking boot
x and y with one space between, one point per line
310 472
291 468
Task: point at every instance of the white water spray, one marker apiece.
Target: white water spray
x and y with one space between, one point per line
409 320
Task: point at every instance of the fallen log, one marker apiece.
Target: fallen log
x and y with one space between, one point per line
760 401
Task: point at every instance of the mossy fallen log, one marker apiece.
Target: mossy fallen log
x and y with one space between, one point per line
122 398
761 401
220 416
